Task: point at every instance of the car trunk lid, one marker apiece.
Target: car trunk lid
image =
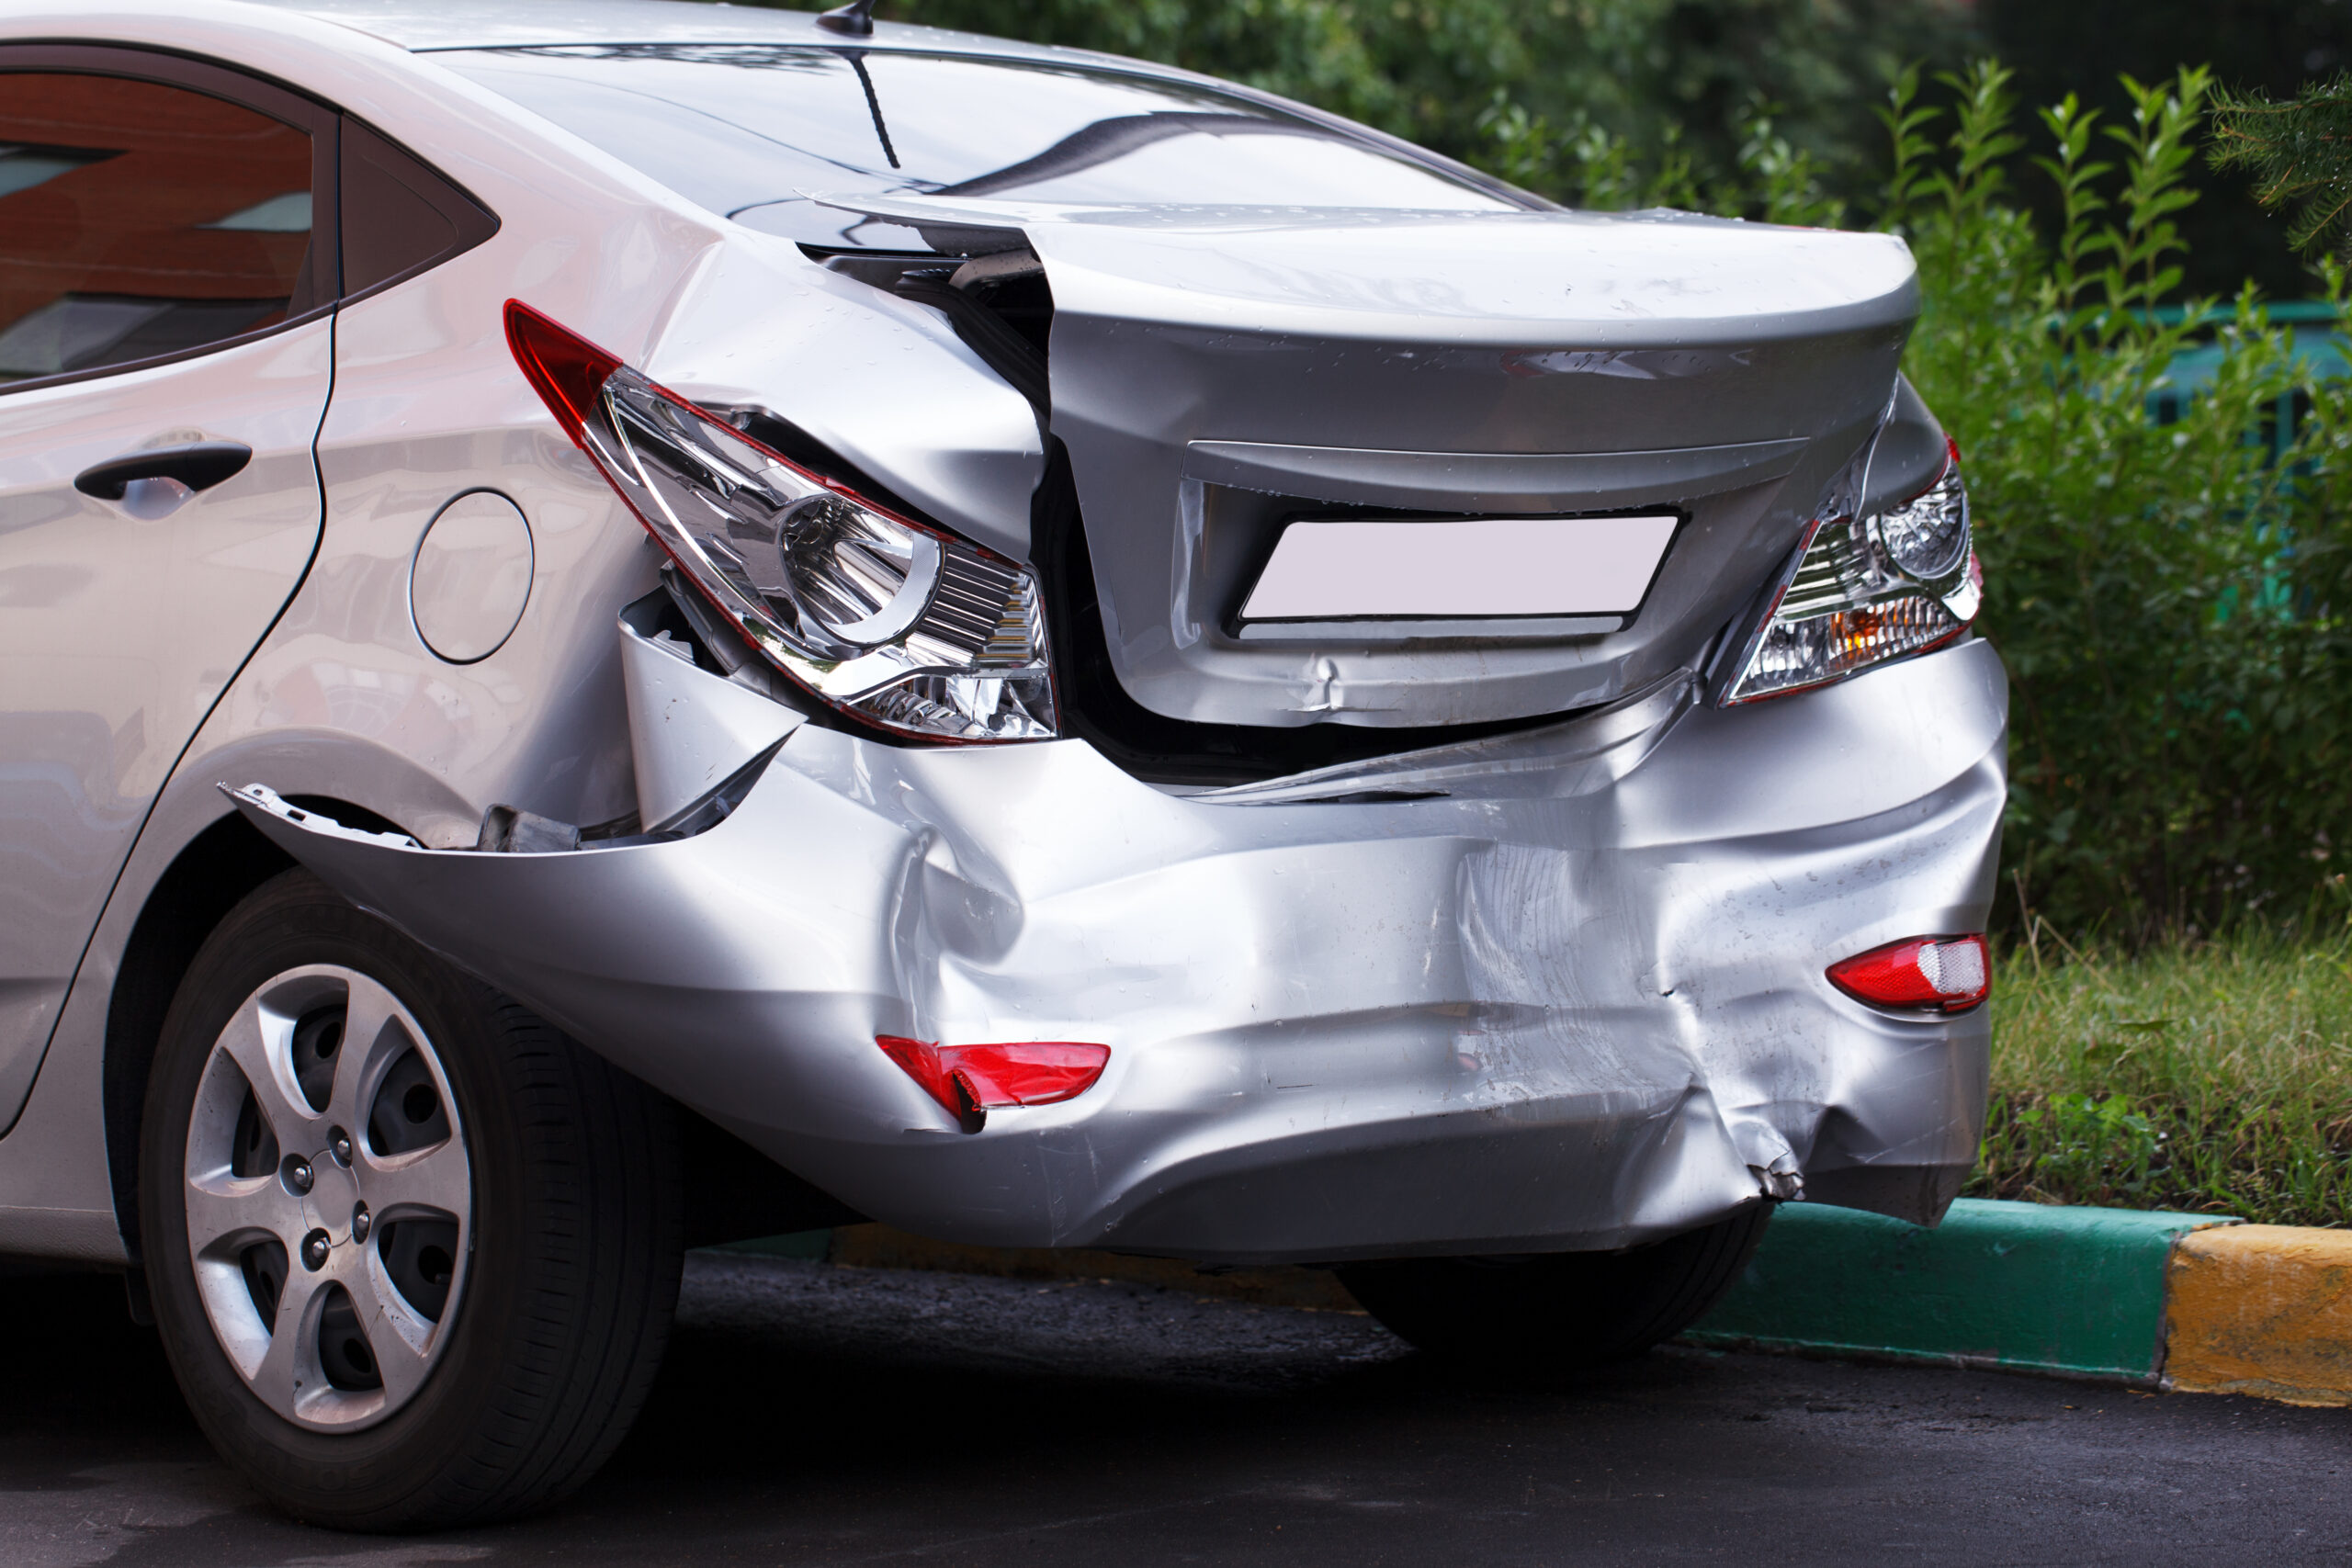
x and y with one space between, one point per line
1218 374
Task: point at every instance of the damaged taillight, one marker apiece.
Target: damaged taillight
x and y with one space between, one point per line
1947 974
1867 589
905 626
970 1079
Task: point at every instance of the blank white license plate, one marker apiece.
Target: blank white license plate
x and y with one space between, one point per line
1454 568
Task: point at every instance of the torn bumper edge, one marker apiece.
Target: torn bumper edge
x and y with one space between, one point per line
1578 1002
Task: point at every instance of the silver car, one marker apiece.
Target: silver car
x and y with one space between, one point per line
629 623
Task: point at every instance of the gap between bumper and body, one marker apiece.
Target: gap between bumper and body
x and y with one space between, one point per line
1559 989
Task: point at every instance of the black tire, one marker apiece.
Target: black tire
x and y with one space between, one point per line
571 1258
1559 1312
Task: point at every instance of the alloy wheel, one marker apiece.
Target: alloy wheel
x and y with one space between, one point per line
329 1198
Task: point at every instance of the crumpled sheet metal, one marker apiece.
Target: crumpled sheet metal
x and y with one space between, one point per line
687 730
1460 355
1568 1016
1218 370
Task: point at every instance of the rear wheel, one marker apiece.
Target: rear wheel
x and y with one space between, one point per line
412 1252
1557 1312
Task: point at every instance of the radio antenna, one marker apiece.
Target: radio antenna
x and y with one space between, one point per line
856 18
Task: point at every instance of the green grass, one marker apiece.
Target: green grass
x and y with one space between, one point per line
2210 1076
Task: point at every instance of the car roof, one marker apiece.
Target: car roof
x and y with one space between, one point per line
428 26
424 25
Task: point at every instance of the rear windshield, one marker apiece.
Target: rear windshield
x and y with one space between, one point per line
751 131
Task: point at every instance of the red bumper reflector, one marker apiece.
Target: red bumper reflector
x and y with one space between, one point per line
1947 974
965 1078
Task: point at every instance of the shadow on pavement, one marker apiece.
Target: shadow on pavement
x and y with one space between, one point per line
814 1415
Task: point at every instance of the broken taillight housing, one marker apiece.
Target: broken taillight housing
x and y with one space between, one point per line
1866 588
904 626
1936 974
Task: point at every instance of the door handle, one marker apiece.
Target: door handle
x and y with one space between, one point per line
199 465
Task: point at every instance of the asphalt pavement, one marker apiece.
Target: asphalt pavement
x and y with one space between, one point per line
813 1414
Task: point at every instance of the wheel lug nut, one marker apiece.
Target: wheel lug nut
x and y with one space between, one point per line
314 1250
339 1146
360 1221
299 1175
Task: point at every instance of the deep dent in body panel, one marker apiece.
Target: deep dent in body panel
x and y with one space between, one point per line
1180 338
1570 1016
433 404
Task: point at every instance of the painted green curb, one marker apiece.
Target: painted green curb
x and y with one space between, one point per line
2026 1286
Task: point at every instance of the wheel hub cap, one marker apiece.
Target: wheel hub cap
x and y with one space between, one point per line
333 1194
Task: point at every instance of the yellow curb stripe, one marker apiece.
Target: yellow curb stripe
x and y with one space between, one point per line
2262 1310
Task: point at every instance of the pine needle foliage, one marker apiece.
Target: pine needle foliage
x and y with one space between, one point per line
2298 153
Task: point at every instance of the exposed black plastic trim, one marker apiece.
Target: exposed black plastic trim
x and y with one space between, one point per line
1007 323
986 333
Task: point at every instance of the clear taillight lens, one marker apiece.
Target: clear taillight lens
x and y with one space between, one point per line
904 626
1935 974
1865 590
1928 536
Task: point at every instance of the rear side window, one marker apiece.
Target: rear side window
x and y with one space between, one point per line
399 218
751 130
139 219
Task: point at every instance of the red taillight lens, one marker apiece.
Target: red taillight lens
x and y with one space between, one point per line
965 1078
1945 974
565 370
904 624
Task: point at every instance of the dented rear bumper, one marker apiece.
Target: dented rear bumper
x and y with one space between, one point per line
1561 990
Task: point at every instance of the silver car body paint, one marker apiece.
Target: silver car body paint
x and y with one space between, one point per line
1577 1000
1172 561
688 732
1578 1005
1216 371
123 624
470 578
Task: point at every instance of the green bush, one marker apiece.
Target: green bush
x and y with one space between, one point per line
2171 599
1686 75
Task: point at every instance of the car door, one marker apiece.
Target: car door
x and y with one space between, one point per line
166 354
